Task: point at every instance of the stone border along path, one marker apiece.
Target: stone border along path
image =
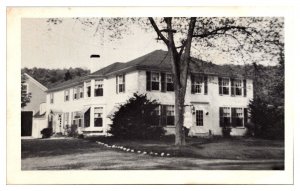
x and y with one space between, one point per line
133 151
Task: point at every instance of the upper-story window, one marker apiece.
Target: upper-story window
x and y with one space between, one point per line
75 93
199 84
170 82
154 80
88 89
224 86
236 87
67 95
51 98
120 83
80 92
98 88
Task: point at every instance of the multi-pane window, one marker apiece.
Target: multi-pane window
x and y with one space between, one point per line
51 98
224 86
120 83
170 115
170 83
77 119
98 112
80 92
98 88
155 80
67 95
225 117
199 117
88 89
237 117
236 87
198 84
75 93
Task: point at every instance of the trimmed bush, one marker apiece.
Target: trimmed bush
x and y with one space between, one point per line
136 119
46 132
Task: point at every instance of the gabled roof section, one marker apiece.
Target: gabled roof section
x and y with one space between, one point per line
44 88
157 60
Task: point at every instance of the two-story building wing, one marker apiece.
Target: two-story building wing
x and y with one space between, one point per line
216 96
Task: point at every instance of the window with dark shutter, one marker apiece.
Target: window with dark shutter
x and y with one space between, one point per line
205 85
232 87
245 87
163 81
163 116
221 117
148 81
245 116
170 82
220 87
192 84
233 117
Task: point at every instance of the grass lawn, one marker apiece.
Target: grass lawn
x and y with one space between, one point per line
214 148
216 154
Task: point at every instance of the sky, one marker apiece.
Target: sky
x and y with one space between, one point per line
70 44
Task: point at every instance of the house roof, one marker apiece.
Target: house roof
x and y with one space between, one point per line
157 60
44 88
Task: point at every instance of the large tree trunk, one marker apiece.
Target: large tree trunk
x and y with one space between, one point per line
179 117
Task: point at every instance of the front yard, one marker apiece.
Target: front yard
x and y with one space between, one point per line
220 154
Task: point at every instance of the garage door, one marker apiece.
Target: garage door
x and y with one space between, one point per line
26 123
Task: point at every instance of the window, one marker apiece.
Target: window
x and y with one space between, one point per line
75 93
98 121
77 119
237 117
154 80
88 89
80 92
224 86
170 115
225 116
67 92
66 119
236 87
98 88
51 98
199 117
156 116
198 84
120 83
24 88
170 83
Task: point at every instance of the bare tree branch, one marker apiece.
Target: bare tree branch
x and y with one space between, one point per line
157 30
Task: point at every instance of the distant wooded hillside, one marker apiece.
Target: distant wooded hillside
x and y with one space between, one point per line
52 77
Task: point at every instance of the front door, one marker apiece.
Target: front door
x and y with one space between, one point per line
199 118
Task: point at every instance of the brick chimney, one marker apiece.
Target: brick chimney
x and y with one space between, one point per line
94 62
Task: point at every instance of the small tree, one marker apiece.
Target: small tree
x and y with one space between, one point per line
137 119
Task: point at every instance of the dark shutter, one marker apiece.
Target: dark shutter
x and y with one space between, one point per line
220 86
163 116
148 79
205 85
192 84
245 87
124 83
220 117
245 116
233 117
163 81
117 84
232 87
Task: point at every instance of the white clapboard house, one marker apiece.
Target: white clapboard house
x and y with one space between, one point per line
216 96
